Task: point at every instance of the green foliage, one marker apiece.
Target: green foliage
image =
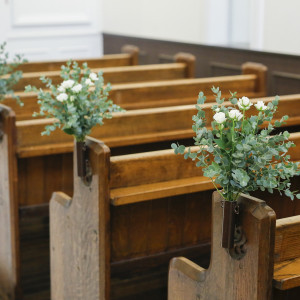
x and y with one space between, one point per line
9 77
79 103
237 154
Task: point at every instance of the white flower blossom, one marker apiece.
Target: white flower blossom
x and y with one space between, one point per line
219 117
77 88
235 114
61 89
260 105
72 98
62 97
93 76
244 103
67 83
89 82
217 109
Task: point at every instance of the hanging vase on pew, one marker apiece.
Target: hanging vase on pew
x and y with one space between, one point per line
81 158
229 223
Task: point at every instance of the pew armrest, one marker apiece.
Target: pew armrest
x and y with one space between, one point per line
61 198
187 268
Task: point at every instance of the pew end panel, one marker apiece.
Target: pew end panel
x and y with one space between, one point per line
227 278
134 53
260 71
189 60
9 226
79 233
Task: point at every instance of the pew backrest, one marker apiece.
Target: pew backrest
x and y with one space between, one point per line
136 127
167 93
183 67
128 57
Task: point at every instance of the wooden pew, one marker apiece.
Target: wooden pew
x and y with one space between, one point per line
46 164
251 83
128 57
183 67
140 212
136 127
36 155
249 278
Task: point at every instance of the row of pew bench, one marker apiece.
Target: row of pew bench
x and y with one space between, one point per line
114 238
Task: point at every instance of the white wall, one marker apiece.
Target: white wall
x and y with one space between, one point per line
195 21
282 26
52 29
267 25
239 17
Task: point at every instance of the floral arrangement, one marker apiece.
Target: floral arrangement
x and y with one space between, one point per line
78 104
238 153
9 77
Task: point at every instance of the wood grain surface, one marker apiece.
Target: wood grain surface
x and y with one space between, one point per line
9 231
226 278
127 58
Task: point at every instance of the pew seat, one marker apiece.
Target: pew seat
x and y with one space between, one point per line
287 253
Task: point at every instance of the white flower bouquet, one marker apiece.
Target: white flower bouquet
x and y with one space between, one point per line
239 154
78 104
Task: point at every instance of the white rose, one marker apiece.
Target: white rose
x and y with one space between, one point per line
219 117
94 76
235 114
62 97
61 89
260 105
67 83
244 103
77 88
89 82
217 109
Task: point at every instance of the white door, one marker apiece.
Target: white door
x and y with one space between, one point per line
51 29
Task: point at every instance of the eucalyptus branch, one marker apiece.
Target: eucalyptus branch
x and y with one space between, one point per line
79 103
9 76
245 158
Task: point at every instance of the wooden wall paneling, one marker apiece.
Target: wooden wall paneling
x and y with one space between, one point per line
224 57
223 69
285 82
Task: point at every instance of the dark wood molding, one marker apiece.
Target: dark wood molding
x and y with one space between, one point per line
283 69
